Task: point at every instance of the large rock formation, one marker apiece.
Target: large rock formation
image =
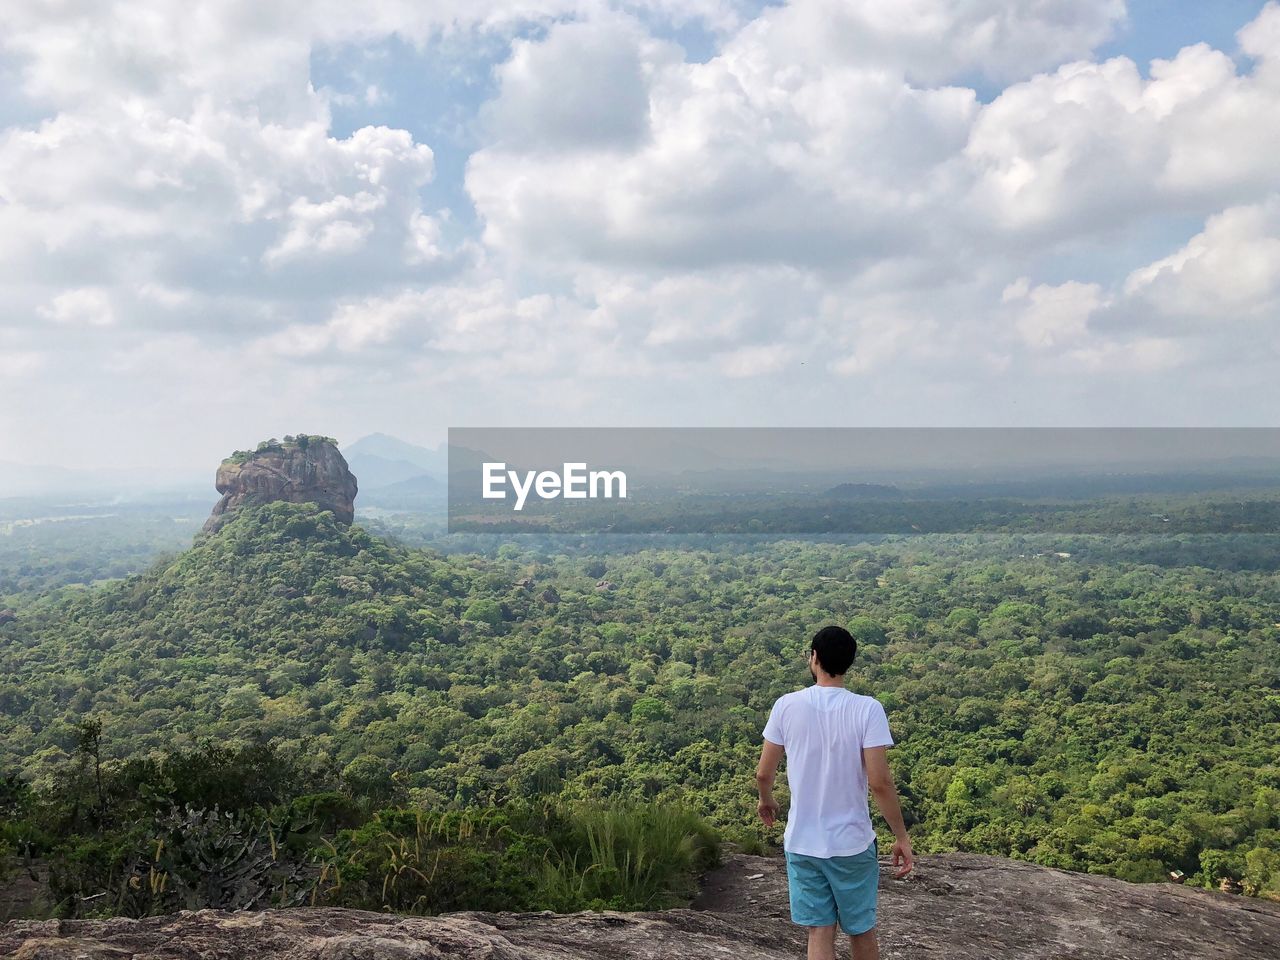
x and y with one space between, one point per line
298 470
957 906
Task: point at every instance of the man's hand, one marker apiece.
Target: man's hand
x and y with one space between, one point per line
881 780
902 857
770 757
768 810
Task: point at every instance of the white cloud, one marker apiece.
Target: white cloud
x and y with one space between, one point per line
932 41
845 165
1143 355
756 361
88 306
1261 36
879 334
426 238
82 180
696 316
245 53
1050 316
383 170
762 155
337 226
582 85
1227 273
1098 144
748 158
476 324
21 363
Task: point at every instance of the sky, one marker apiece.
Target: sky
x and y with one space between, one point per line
224 221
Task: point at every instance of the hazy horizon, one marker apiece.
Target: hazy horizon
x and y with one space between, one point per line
913 456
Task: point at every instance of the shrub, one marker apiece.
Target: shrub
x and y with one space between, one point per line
630 857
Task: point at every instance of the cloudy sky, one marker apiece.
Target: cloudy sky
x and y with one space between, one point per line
221 221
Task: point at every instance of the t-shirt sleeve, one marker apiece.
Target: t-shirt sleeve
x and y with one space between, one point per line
773 729
877 733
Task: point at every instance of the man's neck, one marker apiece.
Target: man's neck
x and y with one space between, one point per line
826 680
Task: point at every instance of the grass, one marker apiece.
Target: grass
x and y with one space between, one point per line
629 857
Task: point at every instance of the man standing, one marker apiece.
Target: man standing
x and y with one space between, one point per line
835 742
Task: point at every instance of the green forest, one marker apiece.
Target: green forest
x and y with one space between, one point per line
308 712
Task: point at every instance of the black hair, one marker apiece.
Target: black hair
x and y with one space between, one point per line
836 649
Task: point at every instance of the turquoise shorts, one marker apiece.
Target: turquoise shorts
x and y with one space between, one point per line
823 889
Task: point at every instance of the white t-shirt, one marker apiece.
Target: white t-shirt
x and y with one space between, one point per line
823 731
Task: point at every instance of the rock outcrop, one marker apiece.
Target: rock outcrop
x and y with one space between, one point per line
298 470
957 906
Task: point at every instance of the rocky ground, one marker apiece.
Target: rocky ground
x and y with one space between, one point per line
956 906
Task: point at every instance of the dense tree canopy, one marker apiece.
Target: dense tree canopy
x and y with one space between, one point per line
1116 710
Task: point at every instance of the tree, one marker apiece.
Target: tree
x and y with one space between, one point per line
89 747
484 611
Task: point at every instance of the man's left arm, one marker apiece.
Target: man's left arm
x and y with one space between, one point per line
766 774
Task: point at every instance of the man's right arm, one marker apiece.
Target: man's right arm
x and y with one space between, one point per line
880 779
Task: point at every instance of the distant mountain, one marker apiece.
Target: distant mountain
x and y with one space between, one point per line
380 461
423 483
423 492
378 473
431 459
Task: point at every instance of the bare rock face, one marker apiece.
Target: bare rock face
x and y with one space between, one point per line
957 906
297 470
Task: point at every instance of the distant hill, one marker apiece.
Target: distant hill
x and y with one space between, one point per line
421 492
380 461
376 472
864 491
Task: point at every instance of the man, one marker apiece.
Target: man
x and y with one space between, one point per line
835 742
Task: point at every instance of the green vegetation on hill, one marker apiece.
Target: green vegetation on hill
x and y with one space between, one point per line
301 441
240 828
1088 712
38 558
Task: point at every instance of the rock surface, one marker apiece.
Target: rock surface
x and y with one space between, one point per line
308 470
956 906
